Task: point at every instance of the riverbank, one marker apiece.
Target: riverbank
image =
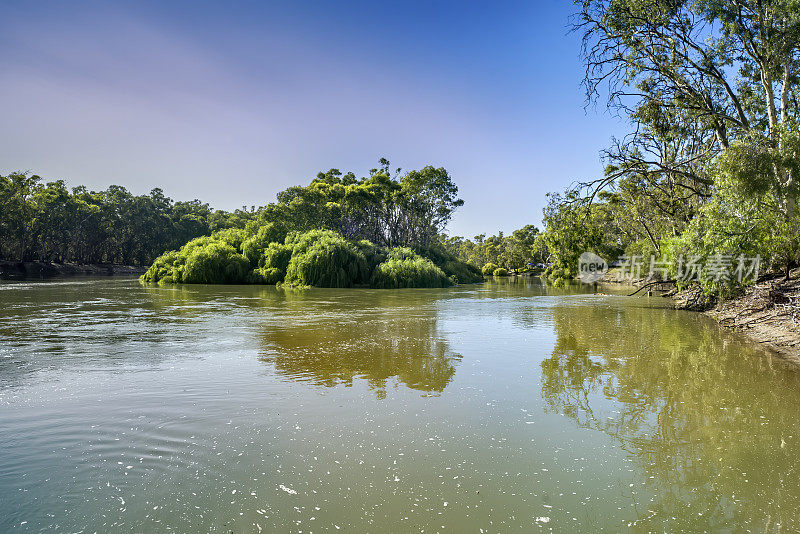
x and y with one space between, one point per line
37 269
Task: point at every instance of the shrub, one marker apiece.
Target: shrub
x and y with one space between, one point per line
216 263
462 273
253 247
273 264
324 258
457 270
230 236
500 272
404 268
276 256
321 258
162 269
266 275
489 269
373 255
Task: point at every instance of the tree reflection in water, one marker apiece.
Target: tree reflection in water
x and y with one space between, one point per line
711 419
367 335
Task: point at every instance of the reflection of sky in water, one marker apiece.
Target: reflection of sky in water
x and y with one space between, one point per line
505 406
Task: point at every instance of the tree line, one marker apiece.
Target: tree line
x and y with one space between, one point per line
47 222
514 253
50 223
710 166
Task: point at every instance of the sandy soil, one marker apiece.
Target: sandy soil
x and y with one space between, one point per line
768 313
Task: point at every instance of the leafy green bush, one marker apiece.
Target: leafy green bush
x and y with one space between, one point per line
231 236
323 258
500 272
277 256
458 271
253 247
461 272
163 269
489 269
217 263
273 264
373 254
404 268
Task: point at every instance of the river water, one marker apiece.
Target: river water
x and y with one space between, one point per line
502 407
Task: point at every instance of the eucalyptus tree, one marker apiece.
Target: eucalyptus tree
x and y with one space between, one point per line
710 88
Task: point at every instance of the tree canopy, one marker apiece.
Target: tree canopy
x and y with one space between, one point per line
710 89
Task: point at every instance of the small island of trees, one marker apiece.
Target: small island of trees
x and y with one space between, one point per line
339 231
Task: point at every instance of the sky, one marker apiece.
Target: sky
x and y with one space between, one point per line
231 102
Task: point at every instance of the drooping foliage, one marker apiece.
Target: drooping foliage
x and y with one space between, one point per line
320 258
323 258
489 269
216 262
405 268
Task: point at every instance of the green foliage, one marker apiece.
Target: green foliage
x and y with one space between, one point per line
163 269
643 248
234 237
215 263
710 169
323 258
749 215
273 263
260 238
461 272
489 269
458 271
338 231
404 268
516 252
48 222
573 227
500 272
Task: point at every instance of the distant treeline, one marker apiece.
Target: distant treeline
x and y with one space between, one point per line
49 222
518 251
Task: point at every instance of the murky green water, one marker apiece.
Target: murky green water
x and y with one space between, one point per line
505 407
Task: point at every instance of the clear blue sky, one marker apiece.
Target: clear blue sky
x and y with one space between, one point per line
231 102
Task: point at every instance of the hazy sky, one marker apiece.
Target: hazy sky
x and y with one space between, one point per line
230 102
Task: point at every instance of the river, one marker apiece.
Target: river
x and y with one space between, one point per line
508 406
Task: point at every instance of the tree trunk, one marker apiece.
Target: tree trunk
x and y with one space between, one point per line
769 95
